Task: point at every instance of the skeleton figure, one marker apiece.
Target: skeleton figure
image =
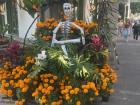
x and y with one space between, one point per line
65 30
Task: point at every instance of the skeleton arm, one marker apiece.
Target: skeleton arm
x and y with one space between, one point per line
54 34
78 40
82 32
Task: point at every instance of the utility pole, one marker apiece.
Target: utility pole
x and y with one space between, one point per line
127 9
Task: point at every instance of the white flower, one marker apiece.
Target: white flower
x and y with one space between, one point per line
42 55
43 52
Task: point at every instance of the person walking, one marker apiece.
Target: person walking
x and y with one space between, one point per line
136 30
120 27
125 31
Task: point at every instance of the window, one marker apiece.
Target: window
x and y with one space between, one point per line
12 18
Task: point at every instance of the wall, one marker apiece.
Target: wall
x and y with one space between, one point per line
24 21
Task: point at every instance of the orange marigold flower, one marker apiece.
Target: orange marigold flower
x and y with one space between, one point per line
40 87
96 93
44 101
76 89
9 92
43 90
55 77
111 90
78 103
11 82
67 97
47 92
87 87
83 86
72 92
27 80
40 24
85 90
43 97
68 87
46 80
49 75
46 85
50 88
35 94
25 89
51 81
21 102
3 81
54 103
6 85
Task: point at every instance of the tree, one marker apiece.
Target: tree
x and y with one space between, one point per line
121 9
135 7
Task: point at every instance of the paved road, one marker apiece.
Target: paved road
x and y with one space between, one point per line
5 101
128 86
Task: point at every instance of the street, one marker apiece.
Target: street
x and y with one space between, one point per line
128 85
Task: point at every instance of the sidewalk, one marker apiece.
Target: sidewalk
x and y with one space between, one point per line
4 101
128 86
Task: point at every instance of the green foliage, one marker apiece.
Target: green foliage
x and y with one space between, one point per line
38 44
29 5
59 58
18 93
105 19
3 29
135 7
80 67
36 70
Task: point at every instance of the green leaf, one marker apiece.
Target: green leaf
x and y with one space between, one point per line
36 71
59 58
19 94
28 4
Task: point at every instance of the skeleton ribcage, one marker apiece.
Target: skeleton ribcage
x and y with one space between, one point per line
65 29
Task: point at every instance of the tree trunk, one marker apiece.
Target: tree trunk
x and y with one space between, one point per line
80 9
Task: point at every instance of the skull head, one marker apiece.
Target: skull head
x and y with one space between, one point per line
67 7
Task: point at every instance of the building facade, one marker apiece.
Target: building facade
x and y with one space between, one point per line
18 19
127 9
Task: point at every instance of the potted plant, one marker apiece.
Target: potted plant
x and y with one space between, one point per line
105 97
3 30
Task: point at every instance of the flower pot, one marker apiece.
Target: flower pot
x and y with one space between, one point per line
105 98
95 101
14 98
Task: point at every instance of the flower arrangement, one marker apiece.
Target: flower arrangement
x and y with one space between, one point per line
66 81
45 28
88 27
108 78
52 78
48 88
